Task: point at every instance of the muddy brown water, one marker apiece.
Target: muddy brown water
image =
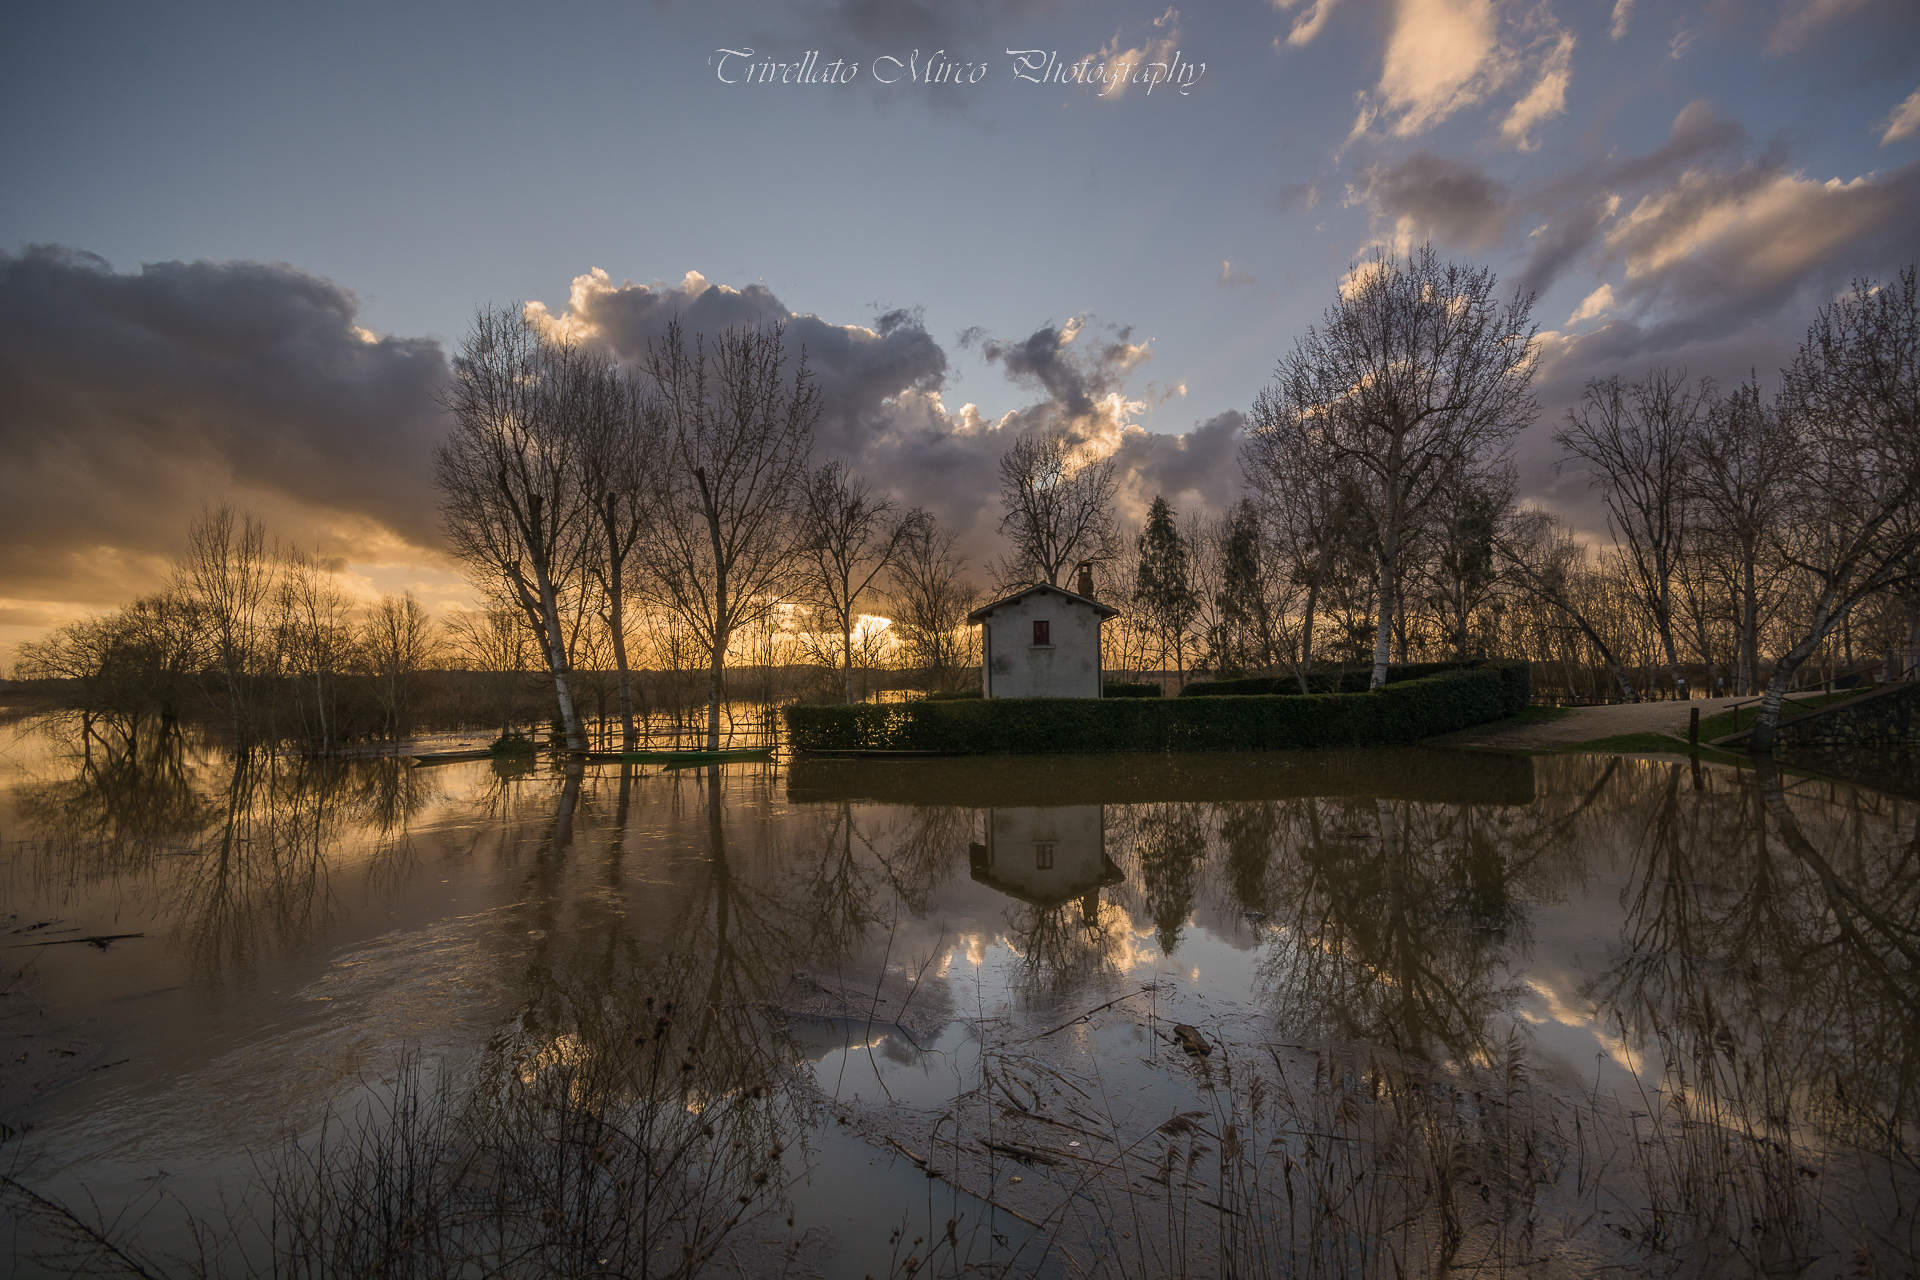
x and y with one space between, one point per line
868 929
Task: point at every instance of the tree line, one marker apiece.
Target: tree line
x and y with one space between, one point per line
263 639
669 516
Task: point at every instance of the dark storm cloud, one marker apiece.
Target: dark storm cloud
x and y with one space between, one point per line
1198 470
1072 373
857 368
1449 200
129 399
885 416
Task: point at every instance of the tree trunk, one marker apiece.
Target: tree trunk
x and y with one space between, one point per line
558 665
1749 628
1389 561
1783 673
1383 630
846 651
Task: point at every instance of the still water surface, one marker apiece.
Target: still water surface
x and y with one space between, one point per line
299 923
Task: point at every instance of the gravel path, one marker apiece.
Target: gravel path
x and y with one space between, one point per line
1585 724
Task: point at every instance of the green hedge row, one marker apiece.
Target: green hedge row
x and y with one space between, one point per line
1334 680
1405 711
1123 689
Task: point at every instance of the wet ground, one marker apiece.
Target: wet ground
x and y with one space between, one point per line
210 957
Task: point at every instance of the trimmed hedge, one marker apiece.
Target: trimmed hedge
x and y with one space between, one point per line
1122 689
1337 680
954 695
1403 712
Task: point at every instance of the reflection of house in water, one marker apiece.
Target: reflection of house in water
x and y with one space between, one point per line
1048 857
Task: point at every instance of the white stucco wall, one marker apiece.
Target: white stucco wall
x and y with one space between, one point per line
1073 838
1014 667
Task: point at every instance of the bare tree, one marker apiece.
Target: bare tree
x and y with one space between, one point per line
1744 456
1852 404
510 499
848 539
1059 508
1416 379
725 495
1635 440
930 600
316 639
397 642
229 571
494 642
1464 574
619 432
1311 507
1544 556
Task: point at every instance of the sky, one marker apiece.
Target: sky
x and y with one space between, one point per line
239 244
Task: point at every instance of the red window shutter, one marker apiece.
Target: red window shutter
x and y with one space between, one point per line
1040 633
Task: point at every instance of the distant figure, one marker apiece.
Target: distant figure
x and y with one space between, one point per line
1680 686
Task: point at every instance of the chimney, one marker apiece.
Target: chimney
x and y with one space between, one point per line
1085 586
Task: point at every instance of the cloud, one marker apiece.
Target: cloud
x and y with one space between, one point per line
857 367
1430 197
1597 303
1442 56
885 412
1622 10
133 398
1800 20
1547 98
1232 277
1154 50
1308 24
1904 121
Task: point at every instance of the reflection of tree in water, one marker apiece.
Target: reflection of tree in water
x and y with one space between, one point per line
1773 943
1399 919
238 849
1170 847
1250 831
1066 949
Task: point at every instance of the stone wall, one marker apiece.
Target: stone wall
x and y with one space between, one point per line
1890 716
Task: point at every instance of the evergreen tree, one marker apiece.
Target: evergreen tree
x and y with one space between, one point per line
1245 634
1163 586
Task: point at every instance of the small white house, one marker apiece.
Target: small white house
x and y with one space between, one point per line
1043 642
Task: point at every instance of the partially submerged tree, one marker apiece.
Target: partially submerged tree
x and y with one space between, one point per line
726 491
397 643
228 570
1636 440
618 431
1059 508
510 500
1852 406
1417 379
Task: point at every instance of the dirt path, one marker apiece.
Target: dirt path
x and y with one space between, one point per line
1585 724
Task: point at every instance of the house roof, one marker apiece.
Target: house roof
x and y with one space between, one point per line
1104 610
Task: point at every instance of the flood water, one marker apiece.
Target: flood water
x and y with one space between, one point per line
862 940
